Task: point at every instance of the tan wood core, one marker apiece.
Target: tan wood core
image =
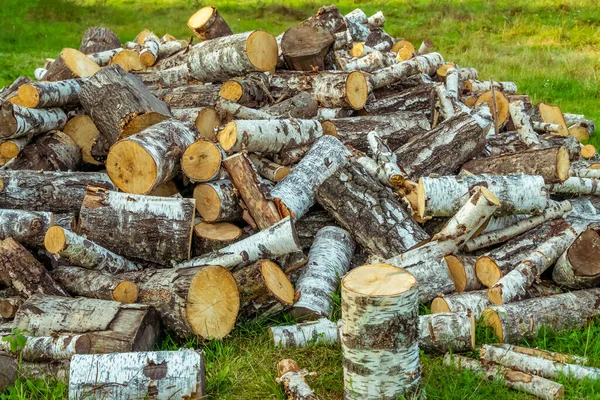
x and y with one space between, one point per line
29 95
224 231
439 305
208 203
262 50
357 90
126 292
55 240
277 282
487 271
201 160
379 280
131 167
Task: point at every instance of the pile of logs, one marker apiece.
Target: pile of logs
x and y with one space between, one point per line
162 186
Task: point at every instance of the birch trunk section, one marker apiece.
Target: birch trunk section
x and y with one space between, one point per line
577 268
17 121
50 348
51 94
25 227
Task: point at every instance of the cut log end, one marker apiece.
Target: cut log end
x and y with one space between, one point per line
213 302
277 282
379 280
207 121
262 50
140 122
208 202
126 292
329 129
357 90
495 295
588 151
457 272
129 60
228 136
29 95
490 318
201 160
501 104
487 271
231 90
9 150
55 240
147 59
223 231
562 164
131 168
439 305
84 132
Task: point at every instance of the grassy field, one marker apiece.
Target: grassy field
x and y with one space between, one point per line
550 48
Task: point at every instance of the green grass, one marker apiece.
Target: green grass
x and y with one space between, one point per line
550 48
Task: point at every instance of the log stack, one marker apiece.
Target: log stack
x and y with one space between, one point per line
185 188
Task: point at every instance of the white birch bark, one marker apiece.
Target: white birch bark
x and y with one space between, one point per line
103 58
324 113
230 110
357 21
48 348
448 104
486 239
467 73
376 20
17 121
77 250
12 146
27 227
483 86
51 94
277 240
386 159
425 47
564 273
156 374
443 332
321 331
576 186
291 377
270 136
518 194
149 50
504 221
545 354
474 302
585 169
224 204
536 365
375 170
452 82
167 49
328 260
522 123
547 127
39 73
373 61
380 333
268 169
426 64
467 221
294 194
529 383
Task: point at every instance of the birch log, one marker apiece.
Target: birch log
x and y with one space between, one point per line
251 91
473 85
518 194
536 365
25 227
141 162
70 64
201 160
149 50
54 151
578 267
462 270
205 119
294 384
321 331
58 192
205 95
575 186
522 123
443 332
303 105
420 98
467 221
328 260
229 110
49 348
97 39
229 56
529 383
207 24
357 21
268 169
369 211
103 58
444 149
493 237
547 127
294 194
167 78
217 201
380 333
385 159
270 136
111 326
192 301
426 64
95 284
262 210
277 240
51 94
158 374
155 229
17 121
545 354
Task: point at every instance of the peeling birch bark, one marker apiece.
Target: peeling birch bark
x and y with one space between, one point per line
385 159
294 384
16 121
372 62
25 226
149 50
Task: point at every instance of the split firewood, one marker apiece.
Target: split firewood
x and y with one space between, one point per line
16 121
191 301
462 271
141 162
295 194
443 332
111 326
467 221
473 85
374 298
369 211
51 94
155 229
420 99
78 250
199 95
525 382
207 24
149 50
328 260
264 290
45 348
277 240
444 149
21 271
428 265
71 64
545 112
54 151
95 284
10 305
175 77
536 365
244 52
545 354
250 91
578 268
386 160
518 194
252 191
119 105
209 237
27 227
547 127
294 384
96 39
493 237
396 128
128 60
82 130
582 131
305 46
522 123
28 190
426 64
268 169
163 374
218 201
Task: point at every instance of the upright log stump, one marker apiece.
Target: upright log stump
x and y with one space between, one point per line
380 334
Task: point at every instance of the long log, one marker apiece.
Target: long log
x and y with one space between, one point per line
95 284
420 98
328 260
54 151
426 64
155 229
369 211
303 105
158 374
25 227
17 121
218 201
443 332
82 130
578 268
575 186
111 326
380 317
199 95
51 94
49 348
175 77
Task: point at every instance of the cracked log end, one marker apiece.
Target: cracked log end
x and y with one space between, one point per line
277 282
379 280
206 122
208 202
231 90
588 151
55 240
228 136
131 168
201 160
82 130
357 90
487 271
129 60
439 305
29 96
212 302
126 292
490 318
222 231
262 50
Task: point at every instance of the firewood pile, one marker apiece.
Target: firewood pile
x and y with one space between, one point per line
163 186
